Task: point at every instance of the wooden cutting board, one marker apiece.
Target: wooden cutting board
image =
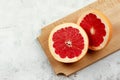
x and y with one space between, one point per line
111 8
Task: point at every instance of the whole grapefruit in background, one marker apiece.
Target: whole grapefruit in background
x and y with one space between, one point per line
68 42
97 27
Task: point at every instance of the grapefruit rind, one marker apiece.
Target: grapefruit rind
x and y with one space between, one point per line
108 28
66 59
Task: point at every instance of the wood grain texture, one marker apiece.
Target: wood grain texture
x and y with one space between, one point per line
111 8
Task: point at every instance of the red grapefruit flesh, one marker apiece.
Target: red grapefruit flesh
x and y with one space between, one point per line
68 43
97 27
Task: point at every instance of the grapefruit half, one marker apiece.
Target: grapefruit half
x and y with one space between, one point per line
97 27
68 42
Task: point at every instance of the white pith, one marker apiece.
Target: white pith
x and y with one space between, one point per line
68 60
68 43
107 29
92 31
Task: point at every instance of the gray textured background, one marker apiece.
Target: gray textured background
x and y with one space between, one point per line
22 58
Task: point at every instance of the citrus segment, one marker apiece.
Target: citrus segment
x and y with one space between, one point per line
96 30
68 41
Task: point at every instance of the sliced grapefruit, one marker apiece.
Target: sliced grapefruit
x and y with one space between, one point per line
97 27
68 42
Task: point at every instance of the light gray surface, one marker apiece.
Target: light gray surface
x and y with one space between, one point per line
22 58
